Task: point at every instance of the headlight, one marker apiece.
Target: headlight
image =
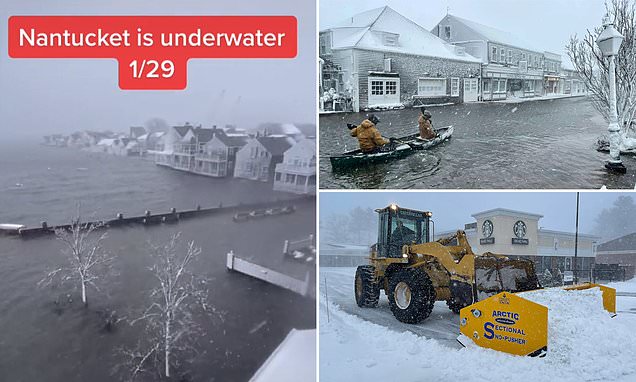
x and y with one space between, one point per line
394 206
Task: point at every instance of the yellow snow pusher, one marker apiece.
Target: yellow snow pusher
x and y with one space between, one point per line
414 272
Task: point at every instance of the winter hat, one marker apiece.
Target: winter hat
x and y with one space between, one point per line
373 119
422 110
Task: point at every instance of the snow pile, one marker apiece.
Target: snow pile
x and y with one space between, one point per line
580 331
585 344
628 286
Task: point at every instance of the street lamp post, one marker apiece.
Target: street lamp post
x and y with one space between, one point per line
609 41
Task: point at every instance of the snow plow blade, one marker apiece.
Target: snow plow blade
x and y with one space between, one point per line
609 295
506 322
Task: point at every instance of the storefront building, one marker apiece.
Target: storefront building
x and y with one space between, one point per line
518 234
510 66
382 60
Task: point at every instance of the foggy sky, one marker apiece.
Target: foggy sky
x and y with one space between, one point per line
451 210
44 96
546 24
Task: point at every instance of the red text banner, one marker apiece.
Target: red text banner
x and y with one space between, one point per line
153 51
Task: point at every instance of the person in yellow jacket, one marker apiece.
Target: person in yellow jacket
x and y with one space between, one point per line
369 138
425 125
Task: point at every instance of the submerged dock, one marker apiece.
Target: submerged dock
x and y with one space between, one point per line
301 287
149 218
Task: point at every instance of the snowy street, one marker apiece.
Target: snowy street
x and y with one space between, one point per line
442 325
584 342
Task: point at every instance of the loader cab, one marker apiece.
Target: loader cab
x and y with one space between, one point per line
399 226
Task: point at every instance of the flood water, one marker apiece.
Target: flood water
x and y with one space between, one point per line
536 144
40 183
40 341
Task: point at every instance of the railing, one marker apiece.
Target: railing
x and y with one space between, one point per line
309 170
290 246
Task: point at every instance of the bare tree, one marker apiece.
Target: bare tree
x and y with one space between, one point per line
170 325
593 68
87 260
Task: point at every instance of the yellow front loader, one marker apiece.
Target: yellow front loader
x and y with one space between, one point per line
414 272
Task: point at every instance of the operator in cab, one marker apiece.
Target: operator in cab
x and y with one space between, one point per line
369 137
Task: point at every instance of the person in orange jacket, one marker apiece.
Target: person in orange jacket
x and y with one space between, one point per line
425 125
369 137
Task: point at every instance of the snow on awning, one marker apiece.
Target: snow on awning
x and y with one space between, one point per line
293 360
383 74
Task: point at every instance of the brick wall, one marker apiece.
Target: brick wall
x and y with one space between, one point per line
410 68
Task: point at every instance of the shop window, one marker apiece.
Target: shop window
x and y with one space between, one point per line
431 86
377 87
391 87
528 86
499 86
454 87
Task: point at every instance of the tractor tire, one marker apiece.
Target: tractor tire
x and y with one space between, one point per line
456 305
411 295
367 292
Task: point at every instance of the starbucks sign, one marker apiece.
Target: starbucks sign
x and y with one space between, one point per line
520 230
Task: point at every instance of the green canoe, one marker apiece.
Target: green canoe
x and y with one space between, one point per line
400 148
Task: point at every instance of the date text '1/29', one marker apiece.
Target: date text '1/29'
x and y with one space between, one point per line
152 68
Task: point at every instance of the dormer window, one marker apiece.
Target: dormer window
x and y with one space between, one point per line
390 39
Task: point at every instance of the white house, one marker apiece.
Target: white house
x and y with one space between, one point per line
297 172
258 158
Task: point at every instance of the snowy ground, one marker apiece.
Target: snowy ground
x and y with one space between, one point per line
585 344
540 98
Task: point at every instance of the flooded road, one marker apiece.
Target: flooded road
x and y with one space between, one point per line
42 341
538 144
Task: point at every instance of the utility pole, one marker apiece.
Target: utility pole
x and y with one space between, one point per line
576 242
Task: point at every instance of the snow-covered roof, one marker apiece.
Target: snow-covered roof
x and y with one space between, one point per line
306 146
495 35
106 142
366 31
132 144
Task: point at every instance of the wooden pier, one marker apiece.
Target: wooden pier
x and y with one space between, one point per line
302 287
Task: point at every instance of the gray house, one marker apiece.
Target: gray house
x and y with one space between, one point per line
511 66
258 158
386 61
